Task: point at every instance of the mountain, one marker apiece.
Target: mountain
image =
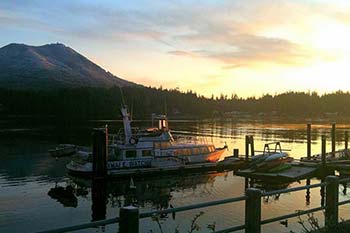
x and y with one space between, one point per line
51 66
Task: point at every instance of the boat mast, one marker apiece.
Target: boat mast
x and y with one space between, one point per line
126 119
126 123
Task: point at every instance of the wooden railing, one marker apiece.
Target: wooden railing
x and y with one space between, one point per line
129 217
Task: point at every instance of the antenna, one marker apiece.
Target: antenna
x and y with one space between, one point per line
132 108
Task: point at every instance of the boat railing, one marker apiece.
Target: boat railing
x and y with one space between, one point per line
130 216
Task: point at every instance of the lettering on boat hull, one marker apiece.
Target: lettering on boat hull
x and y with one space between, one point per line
128 164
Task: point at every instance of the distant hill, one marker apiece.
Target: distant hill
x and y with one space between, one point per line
51 66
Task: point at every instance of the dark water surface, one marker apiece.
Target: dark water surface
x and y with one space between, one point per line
31 182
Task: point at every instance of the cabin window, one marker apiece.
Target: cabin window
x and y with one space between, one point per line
177 152
146 153
204 150
211 148
195 151
130 154
165 144
157 145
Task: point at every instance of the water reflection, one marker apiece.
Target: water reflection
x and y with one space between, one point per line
64 195
99 199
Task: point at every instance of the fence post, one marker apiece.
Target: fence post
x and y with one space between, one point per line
308 141
246 147
253 211
333 140
129 219
331 214
346 140
323 150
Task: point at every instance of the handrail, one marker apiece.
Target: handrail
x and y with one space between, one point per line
231 229
289 190
292 215
194 206
83 226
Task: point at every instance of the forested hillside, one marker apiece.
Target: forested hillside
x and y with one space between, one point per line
96 103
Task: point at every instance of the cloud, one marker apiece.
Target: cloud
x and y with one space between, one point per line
182 53
230 32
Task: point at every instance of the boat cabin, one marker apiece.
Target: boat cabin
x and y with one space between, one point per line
159 149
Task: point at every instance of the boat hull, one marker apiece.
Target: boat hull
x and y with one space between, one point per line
86 168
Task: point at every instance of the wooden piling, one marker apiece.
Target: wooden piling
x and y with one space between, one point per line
333 140
99 199
100 152
251 140
346 139
246 147
308 132
129 219
253 210
323 150
235 152
332 197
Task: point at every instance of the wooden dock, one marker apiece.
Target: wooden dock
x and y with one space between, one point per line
292 174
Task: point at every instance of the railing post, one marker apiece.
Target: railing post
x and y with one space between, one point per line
129 219
323 150
253 211
333 140
246 147
308 132
332 196
251 140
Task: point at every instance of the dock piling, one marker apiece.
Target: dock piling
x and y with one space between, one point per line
333 140
323 150
129 219
251 140
246 147
253 210
346 139
100 152
308 131
235 153
332 196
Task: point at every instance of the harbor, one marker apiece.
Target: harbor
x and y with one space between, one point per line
159 191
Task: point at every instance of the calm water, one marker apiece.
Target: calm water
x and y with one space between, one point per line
29 178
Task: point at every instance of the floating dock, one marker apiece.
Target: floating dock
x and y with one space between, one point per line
292 174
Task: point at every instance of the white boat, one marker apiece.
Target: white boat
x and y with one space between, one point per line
152 147
63 150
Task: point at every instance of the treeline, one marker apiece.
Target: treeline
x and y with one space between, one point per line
99 103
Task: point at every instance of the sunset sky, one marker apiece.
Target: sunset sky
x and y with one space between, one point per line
243 47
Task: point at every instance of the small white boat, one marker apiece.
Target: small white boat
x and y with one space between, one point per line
63 150
275 156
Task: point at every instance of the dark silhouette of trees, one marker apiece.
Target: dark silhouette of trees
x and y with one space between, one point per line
99 103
